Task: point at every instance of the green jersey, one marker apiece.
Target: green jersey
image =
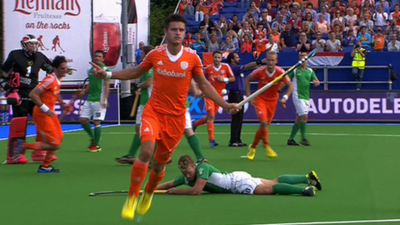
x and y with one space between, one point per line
96 85
301 82
217 181
145 93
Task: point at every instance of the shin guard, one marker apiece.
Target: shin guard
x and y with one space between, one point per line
17 131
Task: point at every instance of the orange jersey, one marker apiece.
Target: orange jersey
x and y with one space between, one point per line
172 77
50 87
212 73
261 45
264 78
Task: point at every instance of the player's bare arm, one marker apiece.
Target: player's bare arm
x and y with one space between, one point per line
209 91
230 79
254 65
126 74
166 185
288 92
106 93
316 82
197 189
247 81
35 96
147 83
195 89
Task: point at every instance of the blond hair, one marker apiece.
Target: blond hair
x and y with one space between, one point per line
272 53
185 162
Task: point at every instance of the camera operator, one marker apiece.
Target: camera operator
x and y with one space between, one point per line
358 53
27 62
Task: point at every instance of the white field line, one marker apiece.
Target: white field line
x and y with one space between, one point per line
336 222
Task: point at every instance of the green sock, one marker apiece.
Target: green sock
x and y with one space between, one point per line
286 189
97 135
195 145
88 129
135 145
303 130
295 128
293 179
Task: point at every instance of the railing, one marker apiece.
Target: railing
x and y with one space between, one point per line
326 81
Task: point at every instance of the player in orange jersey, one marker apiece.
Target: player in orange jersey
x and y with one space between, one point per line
266 102
218 74
163 118
45 96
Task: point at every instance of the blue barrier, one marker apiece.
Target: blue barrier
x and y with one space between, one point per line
373 59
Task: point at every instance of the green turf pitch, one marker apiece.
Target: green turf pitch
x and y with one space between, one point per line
358 166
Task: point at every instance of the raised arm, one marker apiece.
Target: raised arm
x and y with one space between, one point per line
126 74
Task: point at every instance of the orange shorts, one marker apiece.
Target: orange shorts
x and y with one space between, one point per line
265 109
48 127
211 107
166 130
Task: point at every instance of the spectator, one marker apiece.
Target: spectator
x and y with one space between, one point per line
306 29
246 44
319 43
355 6
284 13
279 21
261 29
350 38
207 24
379 40
222 25
234 24
325 15
332 44
308 18
351 20
395 16
265 17
249 13
337 17
384 4
244 4
198 44
338 33
253 25
296 9
336 8
201 9
213 42
138 53
365 38
234 38
260 43
391 29
295 21
186 8
276 35
393 4
215 6
322 25
188 41
271 11
303 45
394 44
367 23
272 45
380 17
246 29
228 45
358 53
288 37
310 9
255 11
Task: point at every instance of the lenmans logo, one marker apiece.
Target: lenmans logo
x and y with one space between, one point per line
27 7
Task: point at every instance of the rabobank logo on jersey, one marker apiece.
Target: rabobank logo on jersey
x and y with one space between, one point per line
165 72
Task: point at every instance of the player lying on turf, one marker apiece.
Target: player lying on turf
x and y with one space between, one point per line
204 177
45 96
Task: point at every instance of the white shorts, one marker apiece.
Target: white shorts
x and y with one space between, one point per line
244 183
301 106
188 118
3 95
93 109
139 114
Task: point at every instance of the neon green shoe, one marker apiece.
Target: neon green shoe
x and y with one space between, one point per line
252 153
144 203
128 211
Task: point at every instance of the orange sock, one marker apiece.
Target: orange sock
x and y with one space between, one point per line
138 173
34 146
199 122
264 135
154 180
210 130
48 158
257 138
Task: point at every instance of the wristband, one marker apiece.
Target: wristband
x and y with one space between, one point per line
286 97
226 80
109 75
44 108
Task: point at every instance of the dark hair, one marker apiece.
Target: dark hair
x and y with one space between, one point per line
230 57
102 52
217 52
174 18
58 60
146 49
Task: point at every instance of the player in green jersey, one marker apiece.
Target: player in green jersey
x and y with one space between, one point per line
145 93
301 78
204 177
95 106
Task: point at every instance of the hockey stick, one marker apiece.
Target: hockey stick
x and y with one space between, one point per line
81 99
71 103
121 192
135 102
276 80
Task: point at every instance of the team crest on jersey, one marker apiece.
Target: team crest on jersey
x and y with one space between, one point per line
223 71
184 65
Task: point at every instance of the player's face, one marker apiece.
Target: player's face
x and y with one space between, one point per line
98 59
190 173
61 71
271 61
217 59
175 33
